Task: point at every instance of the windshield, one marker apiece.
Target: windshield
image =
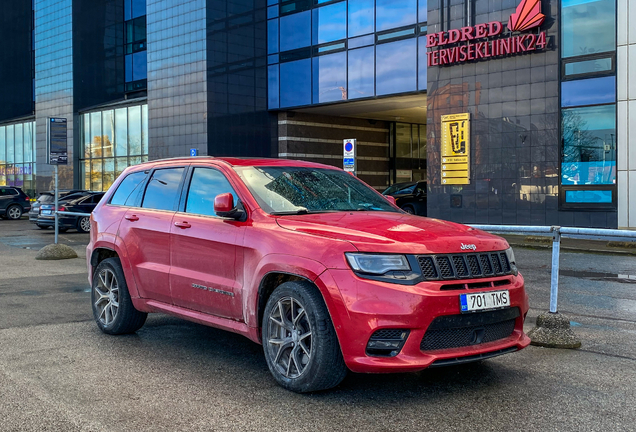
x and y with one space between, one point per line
296 190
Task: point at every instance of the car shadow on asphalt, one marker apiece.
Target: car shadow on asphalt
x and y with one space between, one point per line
216 351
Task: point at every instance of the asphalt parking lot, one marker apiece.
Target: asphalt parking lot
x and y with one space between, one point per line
59 373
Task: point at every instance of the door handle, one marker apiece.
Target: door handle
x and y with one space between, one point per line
182 225
132 218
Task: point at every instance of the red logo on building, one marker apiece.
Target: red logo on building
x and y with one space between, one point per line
487 40
527 16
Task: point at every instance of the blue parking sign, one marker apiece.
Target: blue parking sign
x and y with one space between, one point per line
194 152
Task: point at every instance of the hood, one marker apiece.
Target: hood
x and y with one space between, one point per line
394 232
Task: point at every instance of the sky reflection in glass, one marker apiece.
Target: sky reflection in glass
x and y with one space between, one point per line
330 23
361 67
295 83
395 13
361 16
295 31
396 67
330 76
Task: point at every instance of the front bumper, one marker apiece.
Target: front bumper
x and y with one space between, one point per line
372 305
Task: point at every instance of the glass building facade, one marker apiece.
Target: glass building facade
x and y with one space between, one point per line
331 51
111 140
17 156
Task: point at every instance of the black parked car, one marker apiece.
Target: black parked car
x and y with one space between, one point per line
84 203
49 198
409 196
13 202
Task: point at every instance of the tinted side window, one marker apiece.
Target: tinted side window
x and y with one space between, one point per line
162 189
128 189
206 184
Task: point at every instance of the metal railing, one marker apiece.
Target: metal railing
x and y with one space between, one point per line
65 213
556 232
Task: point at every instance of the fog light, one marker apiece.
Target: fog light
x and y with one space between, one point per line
387 342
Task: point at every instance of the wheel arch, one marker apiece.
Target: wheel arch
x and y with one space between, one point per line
268 284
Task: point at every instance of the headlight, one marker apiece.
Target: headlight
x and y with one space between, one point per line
511 259
377 264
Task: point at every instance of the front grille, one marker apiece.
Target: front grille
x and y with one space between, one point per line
454 331
463 266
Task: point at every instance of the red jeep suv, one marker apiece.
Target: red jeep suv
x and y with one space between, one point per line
305 259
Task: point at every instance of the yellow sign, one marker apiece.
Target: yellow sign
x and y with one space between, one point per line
456 149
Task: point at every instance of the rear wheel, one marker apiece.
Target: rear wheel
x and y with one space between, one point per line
113 310
299 341
84 224
408 209
14 212
42 226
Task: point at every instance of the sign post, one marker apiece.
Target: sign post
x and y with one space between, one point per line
456 149
57 146
349 160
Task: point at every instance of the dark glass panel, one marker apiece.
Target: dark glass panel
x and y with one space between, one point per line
295 83
395 13
330 77
138 8
361 17
272 83
330 23
140 66
272 36
589 145
272 12
295 31
396 67
128 189
361 77
592 91
587 27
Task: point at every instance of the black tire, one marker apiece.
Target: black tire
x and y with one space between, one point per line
61 230
409 209
43 227
324 367
14 212
126 319
84 224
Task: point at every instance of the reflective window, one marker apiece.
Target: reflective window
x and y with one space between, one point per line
361 17
594 91
295 31
163 188
272 87
395 13
396 67
422 14
272 36
589 145
17 156
136 66
361 73
330 23
206 184
111 141
361 41
330 77
588 196
422 69
134 8
587 27
588 66
295 83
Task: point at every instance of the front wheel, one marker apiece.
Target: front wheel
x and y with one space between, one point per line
408 209
113 310
84 224
299 341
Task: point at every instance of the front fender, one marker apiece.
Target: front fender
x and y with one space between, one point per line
114 243
293 265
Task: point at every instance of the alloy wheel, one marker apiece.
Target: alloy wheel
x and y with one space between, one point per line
14 213
85 224
289 338
107 291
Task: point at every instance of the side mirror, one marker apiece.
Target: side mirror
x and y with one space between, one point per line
224 207
390 199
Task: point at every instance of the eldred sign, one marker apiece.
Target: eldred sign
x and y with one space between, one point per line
527 16
456 149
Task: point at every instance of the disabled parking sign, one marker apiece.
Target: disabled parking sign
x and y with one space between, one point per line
349 156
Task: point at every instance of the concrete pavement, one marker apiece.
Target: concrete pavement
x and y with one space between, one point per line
59 373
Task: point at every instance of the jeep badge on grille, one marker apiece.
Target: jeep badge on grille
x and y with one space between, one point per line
468 246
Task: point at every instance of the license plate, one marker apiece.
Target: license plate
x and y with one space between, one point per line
47 212
484 301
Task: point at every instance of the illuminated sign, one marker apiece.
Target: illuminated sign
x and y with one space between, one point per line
456 149
527 16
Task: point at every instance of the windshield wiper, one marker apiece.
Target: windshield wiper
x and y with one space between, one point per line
300 211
